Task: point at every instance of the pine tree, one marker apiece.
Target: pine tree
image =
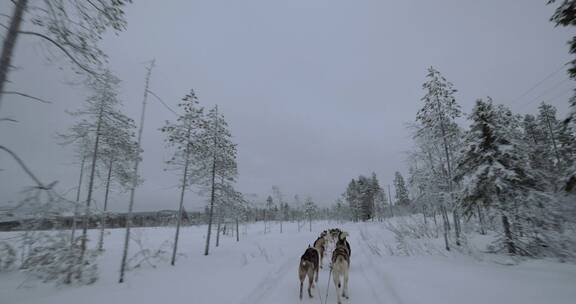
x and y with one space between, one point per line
298 210
118 152
549 125
541 162
492 170
401 195
377 197
438 122
268 212
280 199
310 210
106 129
181 135
353 198
365 197
426 179
215 160
565 15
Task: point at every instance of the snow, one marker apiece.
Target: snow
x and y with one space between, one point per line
262 268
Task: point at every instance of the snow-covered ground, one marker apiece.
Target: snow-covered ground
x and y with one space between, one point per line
262 268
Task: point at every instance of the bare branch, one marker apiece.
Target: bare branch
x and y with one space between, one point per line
81 66
27 96
8 119
39 184
162 101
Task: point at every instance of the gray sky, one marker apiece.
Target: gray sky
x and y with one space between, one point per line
315 91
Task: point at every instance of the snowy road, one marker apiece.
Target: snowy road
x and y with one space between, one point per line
262 268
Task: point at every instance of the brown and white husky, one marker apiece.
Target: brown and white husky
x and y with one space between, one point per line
320 245
341 265
308 267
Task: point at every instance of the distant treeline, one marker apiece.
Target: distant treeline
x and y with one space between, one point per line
111 220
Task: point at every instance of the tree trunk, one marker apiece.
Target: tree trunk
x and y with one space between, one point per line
516 224
481 219
553 139
390 202
509 240
446 227
181 204
265 222
449 177
90 187
107 192
237 231
206 250
73 231
219 221
310 219
10 43
456 225
298 222
445 218
213 190
134 178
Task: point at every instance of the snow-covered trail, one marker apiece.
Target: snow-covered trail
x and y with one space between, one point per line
262 268
282 285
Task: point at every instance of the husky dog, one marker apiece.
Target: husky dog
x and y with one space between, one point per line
341 265
334 234
320 245
342 235
308 267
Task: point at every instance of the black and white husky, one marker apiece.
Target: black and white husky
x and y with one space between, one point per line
341 265
308 267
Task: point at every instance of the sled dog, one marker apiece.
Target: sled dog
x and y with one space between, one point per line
340 267
308 267
320 245
334 233
342 241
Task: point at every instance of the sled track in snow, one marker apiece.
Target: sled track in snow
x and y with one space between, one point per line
269 283
370 249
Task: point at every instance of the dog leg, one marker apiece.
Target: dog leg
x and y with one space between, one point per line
336 278
310 282
345 292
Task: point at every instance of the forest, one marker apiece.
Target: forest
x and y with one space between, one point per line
490 184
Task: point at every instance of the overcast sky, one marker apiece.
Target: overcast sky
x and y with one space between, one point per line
316 92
